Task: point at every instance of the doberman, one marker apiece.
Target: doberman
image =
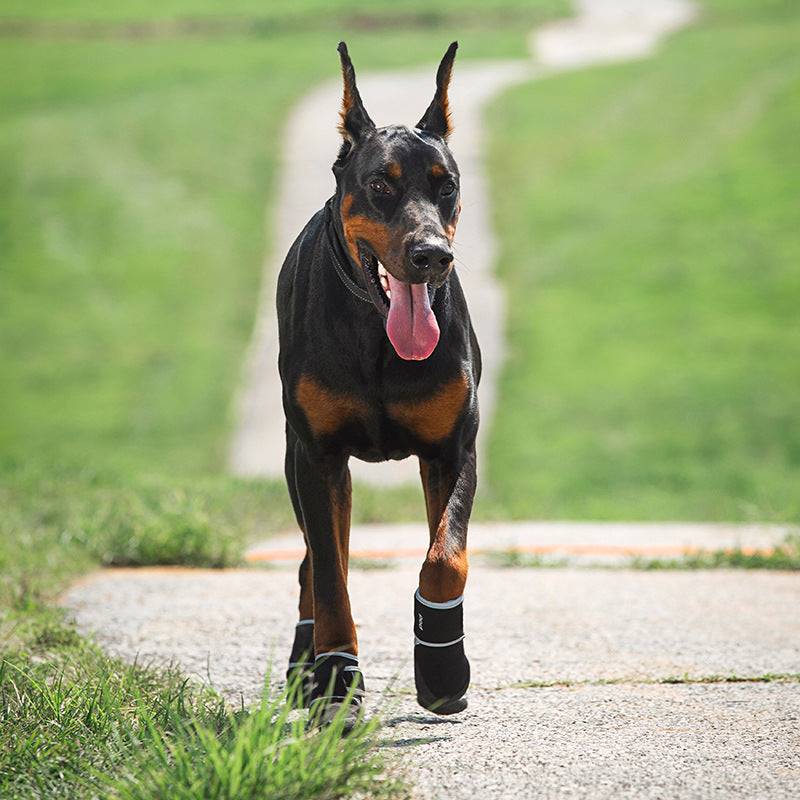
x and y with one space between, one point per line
378 360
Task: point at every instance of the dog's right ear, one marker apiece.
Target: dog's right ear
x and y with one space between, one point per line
355 122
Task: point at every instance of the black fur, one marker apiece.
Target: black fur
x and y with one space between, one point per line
335 342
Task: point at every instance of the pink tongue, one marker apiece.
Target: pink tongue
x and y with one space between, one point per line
412 326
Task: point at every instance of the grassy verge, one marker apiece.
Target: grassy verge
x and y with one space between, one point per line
76 723
316 13
784 556
647 214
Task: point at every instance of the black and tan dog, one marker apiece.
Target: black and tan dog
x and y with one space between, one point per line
379 361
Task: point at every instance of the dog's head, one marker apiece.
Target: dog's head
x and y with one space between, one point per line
398 195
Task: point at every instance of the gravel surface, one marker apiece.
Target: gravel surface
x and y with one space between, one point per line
628 739
660 742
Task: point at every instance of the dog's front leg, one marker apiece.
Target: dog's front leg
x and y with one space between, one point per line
323 489
441 669
301 659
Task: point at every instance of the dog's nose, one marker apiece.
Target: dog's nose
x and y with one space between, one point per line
431 256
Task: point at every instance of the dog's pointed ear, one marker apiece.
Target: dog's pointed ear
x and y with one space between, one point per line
437 118
355 122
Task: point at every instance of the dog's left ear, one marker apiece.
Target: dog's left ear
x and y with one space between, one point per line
437 118
355 121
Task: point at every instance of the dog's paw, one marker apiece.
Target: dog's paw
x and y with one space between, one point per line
337 691
301 660
441 668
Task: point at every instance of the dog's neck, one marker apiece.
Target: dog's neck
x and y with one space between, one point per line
335 233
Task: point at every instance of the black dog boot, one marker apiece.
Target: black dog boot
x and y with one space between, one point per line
337 681
441 670
301 661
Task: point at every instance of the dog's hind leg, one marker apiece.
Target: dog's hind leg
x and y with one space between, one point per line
324 493
301 658
441 669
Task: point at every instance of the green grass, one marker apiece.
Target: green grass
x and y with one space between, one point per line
785 556
315 12
648 220
518 559
76 723
134 180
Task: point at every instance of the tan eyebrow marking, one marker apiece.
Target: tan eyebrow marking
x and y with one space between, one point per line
437 170
394 170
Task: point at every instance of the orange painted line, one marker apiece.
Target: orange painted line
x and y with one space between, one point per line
542 549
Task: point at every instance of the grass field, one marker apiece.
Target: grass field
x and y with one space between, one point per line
650 249
651 206
318 13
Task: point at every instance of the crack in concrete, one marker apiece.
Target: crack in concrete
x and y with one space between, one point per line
672 680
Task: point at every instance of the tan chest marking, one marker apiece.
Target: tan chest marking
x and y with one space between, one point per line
326 411
434 418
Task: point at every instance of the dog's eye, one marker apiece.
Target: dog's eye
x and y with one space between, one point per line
448 187
379 186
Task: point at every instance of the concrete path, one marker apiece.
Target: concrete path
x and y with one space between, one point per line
569 694
602 30
581 542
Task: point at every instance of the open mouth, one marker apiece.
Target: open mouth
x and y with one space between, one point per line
377 281
411 325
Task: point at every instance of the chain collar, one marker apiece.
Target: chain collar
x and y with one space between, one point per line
348 282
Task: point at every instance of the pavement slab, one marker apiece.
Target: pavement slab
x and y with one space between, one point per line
588 542
695 741
606 637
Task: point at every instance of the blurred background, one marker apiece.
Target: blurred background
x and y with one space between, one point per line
647 215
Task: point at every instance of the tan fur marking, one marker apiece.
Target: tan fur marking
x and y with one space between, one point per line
334 630
444 574
358 227
434 419
446 101
394 170
437 170
450 229
326 410
443 578
306 604
347 104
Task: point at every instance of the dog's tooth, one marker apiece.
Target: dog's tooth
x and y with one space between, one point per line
381 269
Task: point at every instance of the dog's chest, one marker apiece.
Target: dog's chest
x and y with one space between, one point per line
383 427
